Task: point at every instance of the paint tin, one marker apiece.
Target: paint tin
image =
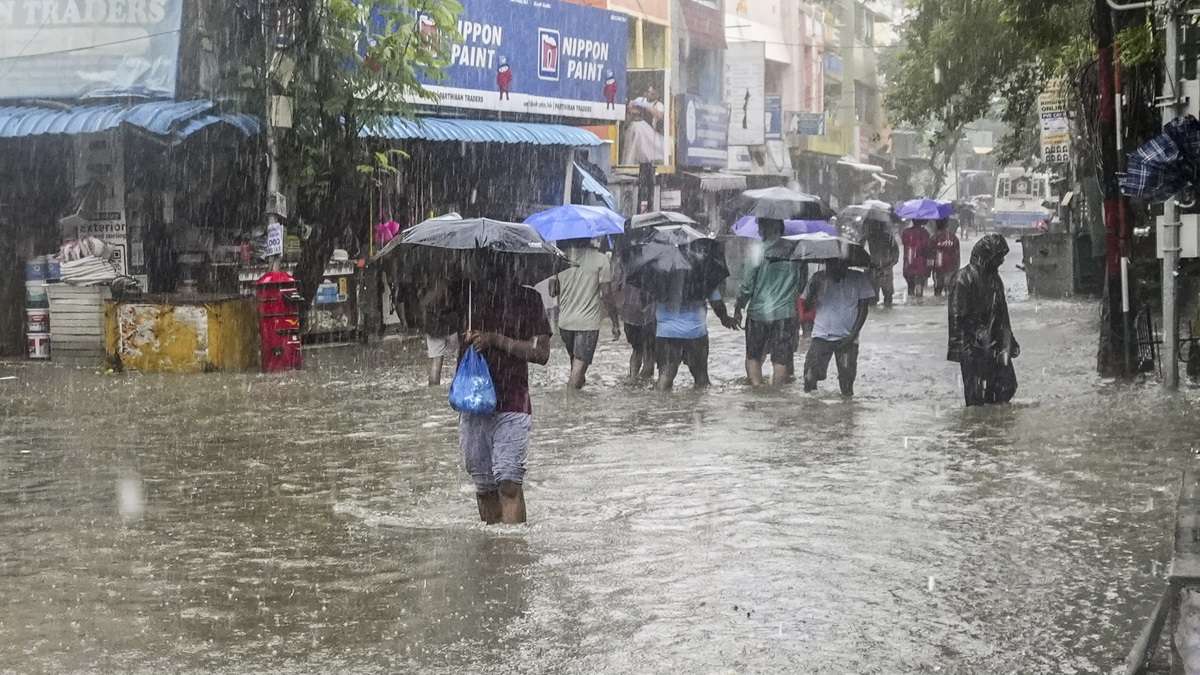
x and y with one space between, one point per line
39 346
37 321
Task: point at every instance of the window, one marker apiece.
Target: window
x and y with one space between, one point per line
864 25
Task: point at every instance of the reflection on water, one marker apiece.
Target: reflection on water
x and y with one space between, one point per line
320 521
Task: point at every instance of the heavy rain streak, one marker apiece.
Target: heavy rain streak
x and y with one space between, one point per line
568 337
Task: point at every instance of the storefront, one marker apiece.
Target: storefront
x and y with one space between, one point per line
158 192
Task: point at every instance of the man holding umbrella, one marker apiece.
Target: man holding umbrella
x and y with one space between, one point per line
769 290
584 291
505 321
842 298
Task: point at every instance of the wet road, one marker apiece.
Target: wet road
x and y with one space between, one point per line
319 521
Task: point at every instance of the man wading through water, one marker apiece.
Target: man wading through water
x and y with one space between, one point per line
584 296
981 338
510 330
842 298
769 291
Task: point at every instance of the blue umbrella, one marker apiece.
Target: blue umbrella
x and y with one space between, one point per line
925 209
747 226
574 221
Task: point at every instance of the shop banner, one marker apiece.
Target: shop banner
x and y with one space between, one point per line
100 182
543 58
745 71
1055 127
774 118
76 48
703 134
806 123
643 133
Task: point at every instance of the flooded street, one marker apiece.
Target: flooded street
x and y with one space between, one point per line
321 522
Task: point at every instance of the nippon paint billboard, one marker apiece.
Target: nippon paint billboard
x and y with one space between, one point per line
543 58
70 49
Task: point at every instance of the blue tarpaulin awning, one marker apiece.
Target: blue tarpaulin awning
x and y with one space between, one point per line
398 128
179 119
588 183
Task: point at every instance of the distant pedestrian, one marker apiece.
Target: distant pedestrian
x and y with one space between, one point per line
682 337
442 316
768 294
981 338
916 257
510 330
945 247
584 298
881 244
842 298
637 309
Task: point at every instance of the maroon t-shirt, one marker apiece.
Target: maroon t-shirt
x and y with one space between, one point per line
518 314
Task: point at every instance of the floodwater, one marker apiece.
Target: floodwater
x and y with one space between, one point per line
320 521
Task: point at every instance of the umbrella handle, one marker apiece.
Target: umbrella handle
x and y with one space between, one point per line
470 306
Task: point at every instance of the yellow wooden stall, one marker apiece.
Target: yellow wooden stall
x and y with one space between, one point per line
182 333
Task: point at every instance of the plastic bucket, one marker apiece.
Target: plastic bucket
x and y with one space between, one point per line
39 346
35 269
37 321
35 295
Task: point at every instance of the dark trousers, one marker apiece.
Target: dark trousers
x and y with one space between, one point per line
987 381
645 186
816 363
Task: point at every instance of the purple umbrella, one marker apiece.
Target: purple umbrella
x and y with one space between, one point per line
747 226
925 209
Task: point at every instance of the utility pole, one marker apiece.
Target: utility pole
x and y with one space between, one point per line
1109 360
1169 231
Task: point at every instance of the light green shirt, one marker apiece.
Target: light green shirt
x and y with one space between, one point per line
580 306
770 289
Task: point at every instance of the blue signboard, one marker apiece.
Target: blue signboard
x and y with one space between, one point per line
774 117
833 65
74 48
542 57
703 133
807 124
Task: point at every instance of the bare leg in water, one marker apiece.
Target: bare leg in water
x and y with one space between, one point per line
512 503
489 507
435 370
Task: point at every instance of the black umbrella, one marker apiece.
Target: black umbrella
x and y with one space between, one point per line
675 264
457 248
818 247
782 203
853 219
658 218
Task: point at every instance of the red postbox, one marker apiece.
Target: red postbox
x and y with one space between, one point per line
279 321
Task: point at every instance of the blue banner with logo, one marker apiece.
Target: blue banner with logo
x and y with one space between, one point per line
774 118
543 57
703 134
69 49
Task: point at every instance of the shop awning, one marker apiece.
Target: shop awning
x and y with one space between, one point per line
705 25
589 184
398 128
163 118
719 182
740 29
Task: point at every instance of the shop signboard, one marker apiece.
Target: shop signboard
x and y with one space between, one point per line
702 138
774 117
745 73
69 49
643 133
806 123
544 58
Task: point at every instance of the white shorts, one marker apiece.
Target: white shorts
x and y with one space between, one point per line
446 345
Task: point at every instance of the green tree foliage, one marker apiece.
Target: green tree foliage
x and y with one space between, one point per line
961 59
353 62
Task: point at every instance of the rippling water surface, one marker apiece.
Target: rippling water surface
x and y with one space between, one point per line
320 522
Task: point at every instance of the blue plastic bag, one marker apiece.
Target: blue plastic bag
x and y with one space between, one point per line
472 391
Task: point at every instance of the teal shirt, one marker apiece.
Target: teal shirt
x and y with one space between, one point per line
769 289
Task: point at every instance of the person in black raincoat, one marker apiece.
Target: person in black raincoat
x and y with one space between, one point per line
981 338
